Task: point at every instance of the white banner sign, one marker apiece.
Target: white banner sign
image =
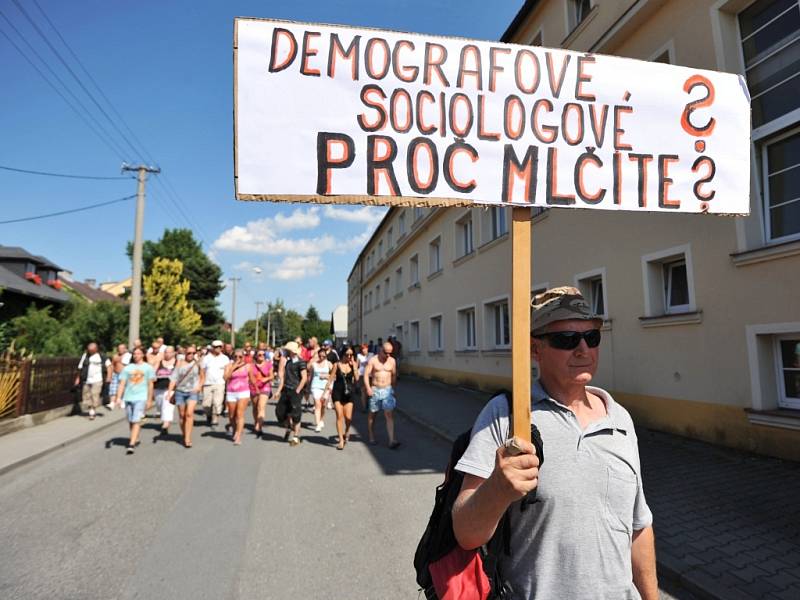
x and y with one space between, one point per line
337 114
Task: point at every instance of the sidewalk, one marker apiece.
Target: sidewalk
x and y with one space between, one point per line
727 523
26 445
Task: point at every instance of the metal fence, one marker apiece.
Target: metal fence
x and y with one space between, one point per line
39 384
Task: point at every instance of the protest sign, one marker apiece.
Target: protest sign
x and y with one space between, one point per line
328 113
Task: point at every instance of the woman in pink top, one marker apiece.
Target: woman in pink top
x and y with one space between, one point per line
237 394
260 386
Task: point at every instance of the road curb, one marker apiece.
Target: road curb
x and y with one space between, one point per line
669 572
37 455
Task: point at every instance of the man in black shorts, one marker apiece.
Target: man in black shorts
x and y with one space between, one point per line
293 377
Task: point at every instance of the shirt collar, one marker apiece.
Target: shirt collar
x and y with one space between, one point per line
539 395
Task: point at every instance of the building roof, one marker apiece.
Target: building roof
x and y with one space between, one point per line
13 282
519 18
93 294
17 253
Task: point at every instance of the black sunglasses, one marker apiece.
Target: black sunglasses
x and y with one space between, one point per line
569 340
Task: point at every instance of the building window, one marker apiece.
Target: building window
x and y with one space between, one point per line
413 264
464 235
467 338
386 290
770 31
401 224
377 296
592 286
676 286
366 302
389 236
436 341
369 302
419 212
781 173
435 256
499 222
398 280
770 40
788 359
537 39
577 11
498 332
668 279
413 335
380 250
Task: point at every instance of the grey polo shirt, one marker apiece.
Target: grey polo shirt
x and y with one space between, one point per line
576 541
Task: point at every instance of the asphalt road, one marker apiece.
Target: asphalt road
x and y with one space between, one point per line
261 520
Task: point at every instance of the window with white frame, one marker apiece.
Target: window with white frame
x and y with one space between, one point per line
467 334
787 353
435 256
419 212
577 10
389 238
377 296
668 279
676 286
494 224
380 249
464 235
413 267
413 335
499 222
781 172
770 41
398 280
498 327
437 335
401 224
592 286
386 290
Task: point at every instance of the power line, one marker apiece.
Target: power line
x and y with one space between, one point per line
94 82
74 76
107 139
67 212
47 174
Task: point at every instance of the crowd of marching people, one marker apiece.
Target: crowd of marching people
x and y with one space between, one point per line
296 377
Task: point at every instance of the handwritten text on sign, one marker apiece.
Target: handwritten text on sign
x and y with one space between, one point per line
325 111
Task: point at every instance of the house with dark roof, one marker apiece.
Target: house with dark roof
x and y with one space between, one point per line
89 291
26 279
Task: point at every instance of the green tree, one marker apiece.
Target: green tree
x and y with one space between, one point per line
203 274
294 325
166 310
313 326
103 322
247 333
40 332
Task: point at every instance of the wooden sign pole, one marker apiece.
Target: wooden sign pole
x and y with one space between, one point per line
521 251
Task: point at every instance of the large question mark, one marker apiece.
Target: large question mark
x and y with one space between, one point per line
700 132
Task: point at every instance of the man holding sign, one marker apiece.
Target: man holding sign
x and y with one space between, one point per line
589 535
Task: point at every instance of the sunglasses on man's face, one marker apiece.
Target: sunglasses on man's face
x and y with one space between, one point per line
569 340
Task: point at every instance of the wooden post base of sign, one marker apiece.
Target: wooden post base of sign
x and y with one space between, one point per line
521 321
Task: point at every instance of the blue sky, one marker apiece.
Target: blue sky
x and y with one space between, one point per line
166 66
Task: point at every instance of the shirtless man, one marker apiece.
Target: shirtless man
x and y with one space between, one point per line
380 376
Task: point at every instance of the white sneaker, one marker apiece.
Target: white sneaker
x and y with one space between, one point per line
319 427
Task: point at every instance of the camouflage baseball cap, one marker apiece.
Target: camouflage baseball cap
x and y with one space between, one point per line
559 304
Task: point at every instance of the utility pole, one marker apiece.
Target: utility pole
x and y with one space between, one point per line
258 306
234 280
136 280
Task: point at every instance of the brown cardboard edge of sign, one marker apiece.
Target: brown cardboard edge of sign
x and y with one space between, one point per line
364 199
236 106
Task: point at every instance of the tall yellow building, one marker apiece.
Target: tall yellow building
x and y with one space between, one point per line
702 314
